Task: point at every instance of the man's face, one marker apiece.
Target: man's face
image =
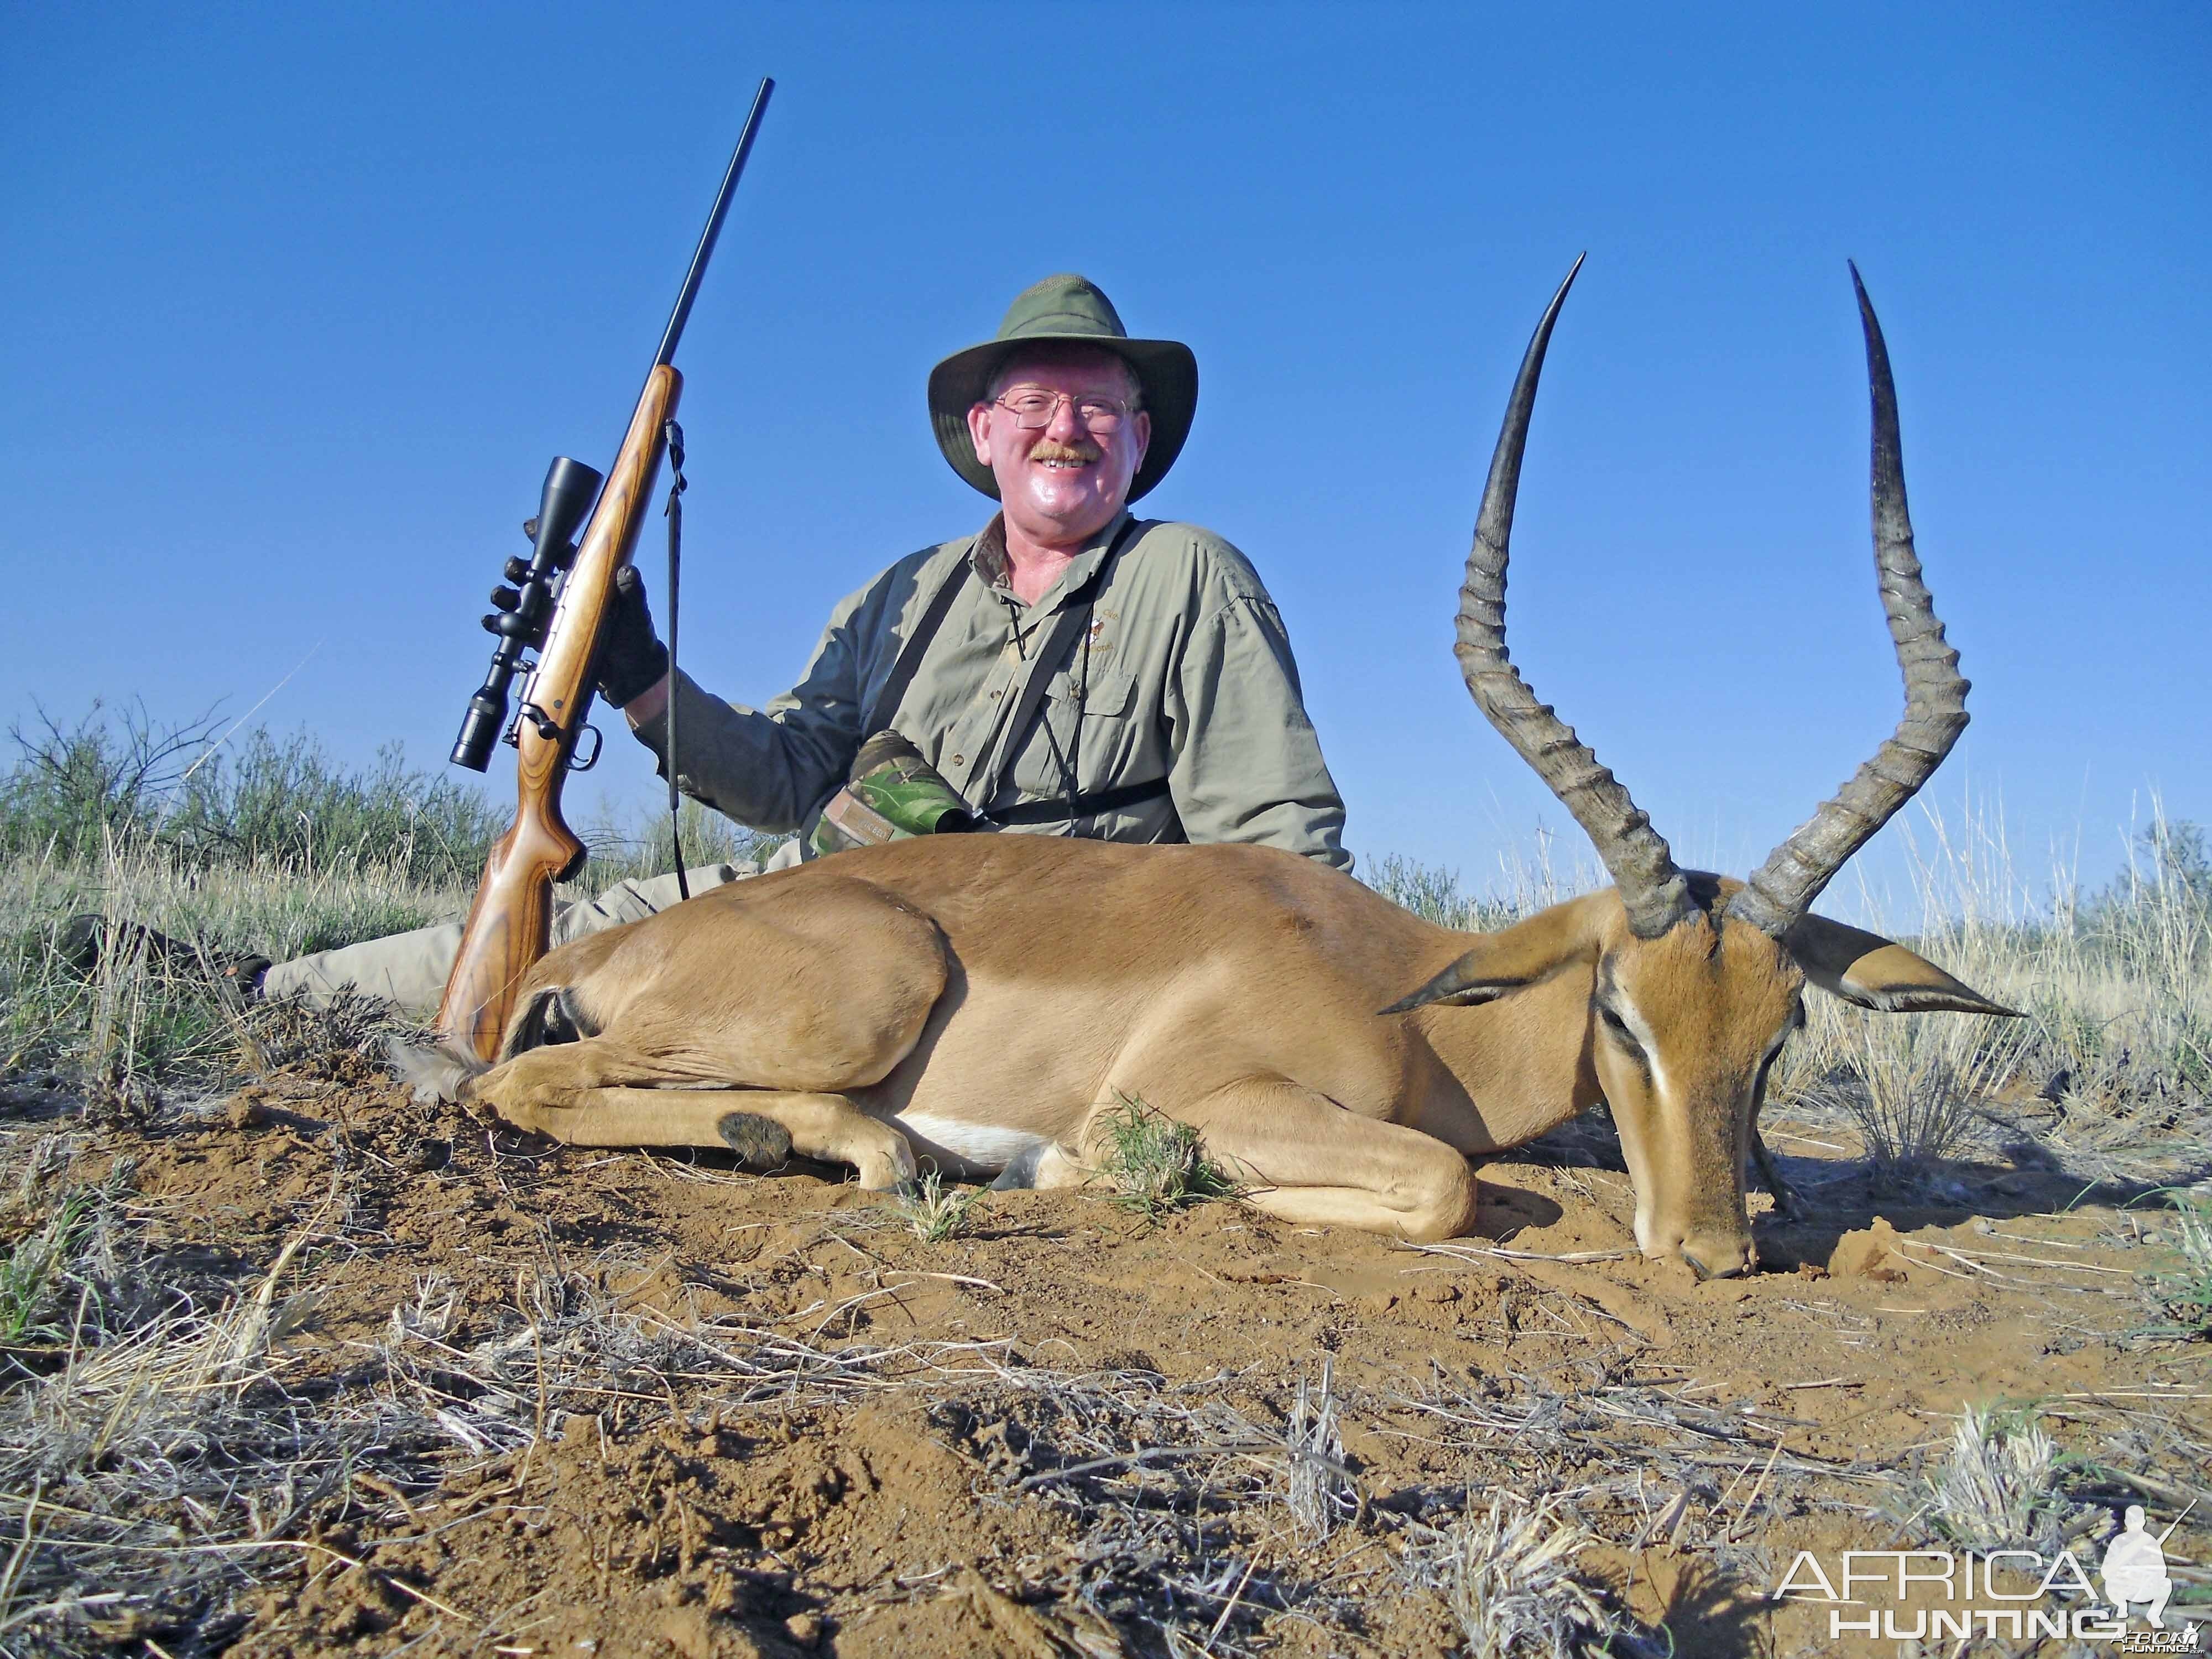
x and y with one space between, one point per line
1061 482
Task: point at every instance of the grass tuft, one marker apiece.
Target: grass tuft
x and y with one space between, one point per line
1318 1487
938 1213
1154 1164
1514 1582
2186 1295
1998 1486
1912 1108
34 1269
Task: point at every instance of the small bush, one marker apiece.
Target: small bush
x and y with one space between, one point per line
129 783
1155 1164
1433 894
638 845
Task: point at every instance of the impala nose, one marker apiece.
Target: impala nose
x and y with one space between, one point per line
1718 1257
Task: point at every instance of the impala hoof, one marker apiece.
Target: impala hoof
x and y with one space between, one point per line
1021 1171
761 1143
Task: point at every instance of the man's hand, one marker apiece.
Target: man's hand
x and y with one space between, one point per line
632 659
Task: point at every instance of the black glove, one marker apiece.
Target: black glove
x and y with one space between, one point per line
631 658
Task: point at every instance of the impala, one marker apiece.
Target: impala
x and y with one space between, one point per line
980 1001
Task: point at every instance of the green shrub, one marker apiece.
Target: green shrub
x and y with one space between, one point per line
126 783
1153 1164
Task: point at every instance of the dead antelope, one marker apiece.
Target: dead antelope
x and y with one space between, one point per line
980 1000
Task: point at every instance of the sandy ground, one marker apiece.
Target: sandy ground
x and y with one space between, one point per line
685 1411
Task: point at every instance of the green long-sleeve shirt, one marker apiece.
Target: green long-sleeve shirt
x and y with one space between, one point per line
1187 675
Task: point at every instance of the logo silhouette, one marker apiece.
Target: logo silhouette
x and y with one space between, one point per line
2135 1568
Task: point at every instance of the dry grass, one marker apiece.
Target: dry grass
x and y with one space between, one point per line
2109 1076
1516 1582
140 1022
1997 1487
1319 1490
165 1450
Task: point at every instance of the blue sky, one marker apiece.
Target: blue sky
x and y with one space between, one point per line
300 301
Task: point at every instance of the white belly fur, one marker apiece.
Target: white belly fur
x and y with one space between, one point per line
978 1145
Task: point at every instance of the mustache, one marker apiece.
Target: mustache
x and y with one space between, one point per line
1051 449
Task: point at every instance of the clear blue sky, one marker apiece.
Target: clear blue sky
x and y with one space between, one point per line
299 299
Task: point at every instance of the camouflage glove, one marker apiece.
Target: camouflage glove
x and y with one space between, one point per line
893 794
632 659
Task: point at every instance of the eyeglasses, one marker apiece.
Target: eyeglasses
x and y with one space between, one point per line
1033 408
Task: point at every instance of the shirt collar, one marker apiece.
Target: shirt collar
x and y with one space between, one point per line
989 556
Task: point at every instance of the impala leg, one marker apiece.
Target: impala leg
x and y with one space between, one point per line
1304 1158
826 1127
1789 1204
556 1073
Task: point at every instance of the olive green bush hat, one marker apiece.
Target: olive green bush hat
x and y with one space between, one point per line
1065 310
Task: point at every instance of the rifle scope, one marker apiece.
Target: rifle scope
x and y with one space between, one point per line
523 610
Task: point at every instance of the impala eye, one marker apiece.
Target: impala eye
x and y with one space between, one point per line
1617 1028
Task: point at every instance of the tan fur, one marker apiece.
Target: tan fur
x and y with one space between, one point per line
1018 984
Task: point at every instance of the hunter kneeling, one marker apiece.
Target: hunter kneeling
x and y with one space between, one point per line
1070 669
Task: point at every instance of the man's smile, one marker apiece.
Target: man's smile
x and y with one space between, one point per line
1063 457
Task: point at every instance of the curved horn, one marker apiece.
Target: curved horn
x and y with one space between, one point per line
1935 690
1643 867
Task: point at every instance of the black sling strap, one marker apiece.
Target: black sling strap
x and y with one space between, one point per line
915 648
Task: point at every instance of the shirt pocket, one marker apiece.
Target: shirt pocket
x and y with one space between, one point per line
1107 697
1108 741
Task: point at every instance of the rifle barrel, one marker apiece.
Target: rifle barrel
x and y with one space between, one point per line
705 251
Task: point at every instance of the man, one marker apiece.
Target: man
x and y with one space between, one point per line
1070 669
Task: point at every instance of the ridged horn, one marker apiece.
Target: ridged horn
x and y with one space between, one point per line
1935 690
1643 866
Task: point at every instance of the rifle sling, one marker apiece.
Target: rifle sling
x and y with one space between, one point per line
677 485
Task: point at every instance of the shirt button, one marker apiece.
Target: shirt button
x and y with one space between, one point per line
960 760
994 696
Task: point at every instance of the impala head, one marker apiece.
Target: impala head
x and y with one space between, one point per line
1696 981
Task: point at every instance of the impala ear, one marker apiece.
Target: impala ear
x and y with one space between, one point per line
1502 963
1880 973
1462 985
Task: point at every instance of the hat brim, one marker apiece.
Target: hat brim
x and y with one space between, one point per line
1167 378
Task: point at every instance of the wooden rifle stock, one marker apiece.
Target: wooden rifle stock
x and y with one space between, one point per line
510 923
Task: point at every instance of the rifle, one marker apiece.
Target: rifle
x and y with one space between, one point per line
559 605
